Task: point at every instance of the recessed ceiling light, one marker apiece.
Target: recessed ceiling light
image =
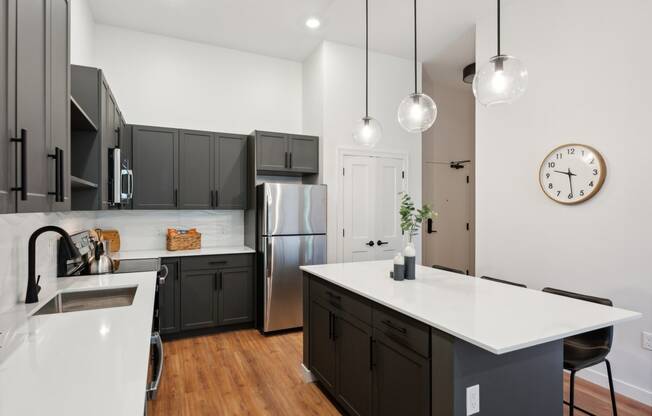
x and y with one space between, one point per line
313 23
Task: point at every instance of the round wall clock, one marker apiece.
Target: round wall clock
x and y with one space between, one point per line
572 173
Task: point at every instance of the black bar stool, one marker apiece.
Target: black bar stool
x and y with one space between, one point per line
586 350
507 282
447 269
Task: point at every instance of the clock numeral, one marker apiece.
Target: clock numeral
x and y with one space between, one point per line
595 172
551 164
571 151
582 192
550 186
558 193
570 196
547 176
559 155
591 184
582 152
592 162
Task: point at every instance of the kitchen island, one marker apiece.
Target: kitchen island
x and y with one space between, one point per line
441 344
91 362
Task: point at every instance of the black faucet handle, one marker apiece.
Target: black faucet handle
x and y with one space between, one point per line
38 287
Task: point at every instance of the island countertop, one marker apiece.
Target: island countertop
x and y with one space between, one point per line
497 317
91 362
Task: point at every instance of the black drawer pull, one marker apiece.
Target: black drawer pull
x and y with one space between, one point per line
23 164
394 327
217 262
333 295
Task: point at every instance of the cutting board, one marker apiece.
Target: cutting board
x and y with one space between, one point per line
112 236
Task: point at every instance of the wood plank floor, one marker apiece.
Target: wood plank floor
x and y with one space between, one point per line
245 373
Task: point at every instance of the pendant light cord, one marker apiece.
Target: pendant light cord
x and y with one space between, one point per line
498 27
415 46
366 65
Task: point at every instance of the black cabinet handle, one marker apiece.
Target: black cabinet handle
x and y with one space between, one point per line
430 231
221 281
212 199
58 172
330 325
370 244
215 282
176 198
381 243
394 327
117 130
217 262
217 199
371 353
290 163
334 327
23 163
286 165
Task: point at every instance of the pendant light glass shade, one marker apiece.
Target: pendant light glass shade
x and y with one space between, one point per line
367 132
417 113
502 80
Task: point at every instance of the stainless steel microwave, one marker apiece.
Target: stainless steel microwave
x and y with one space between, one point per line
121 178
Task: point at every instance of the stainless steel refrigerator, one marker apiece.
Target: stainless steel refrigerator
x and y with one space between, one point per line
292 233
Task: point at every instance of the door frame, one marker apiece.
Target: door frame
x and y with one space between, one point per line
343 152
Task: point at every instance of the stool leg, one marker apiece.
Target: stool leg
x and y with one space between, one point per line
611 389
571 405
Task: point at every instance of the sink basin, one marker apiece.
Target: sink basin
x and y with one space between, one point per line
88 299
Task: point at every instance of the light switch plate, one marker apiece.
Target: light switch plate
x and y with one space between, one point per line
647 340
473 400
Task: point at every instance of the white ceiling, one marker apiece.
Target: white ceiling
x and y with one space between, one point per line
276 27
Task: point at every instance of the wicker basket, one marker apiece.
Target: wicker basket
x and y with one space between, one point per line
188 241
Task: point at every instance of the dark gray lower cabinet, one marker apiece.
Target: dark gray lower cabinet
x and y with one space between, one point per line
169 298
353 344
235 299
198 299
401 379
322 346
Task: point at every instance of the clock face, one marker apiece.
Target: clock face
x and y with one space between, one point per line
572 173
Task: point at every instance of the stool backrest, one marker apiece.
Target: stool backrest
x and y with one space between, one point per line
507 282
447 269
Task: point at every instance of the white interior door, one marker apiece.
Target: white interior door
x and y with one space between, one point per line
449 193
371 192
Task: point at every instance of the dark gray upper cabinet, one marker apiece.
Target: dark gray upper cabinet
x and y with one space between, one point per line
5 189
230 171
195 159
271 152
169 298
304 154
155 165
286 154
235 300
198 299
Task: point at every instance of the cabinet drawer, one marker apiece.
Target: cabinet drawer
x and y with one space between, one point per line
213 262
403 330
341 299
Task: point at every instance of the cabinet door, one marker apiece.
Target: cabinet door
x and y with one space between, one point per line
109 139
198 299
271 152
169 298
32 103
235 304
5 127
195 184
353 344
60 101
401 380
322 346
230 171
304 154
155 164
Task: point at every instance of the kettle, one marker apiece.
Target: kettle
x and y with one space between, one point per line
101 263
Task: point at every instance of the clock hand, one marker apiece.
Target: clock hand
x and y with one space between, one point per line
570 180
563 173
570 173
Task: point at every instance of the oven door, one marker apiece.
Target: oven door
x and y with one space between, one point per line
156 357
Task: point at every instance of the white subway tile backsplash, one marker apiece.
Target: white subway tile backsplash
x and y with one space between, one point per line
139 230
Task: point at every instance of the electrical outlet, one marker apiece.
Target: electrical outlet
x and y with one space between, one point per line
647 340
473 400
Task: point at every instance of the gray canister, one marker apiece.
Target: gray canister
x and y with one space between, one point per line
410 266
399 272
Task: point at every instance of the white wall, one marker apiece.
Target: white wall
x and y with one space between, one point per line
334 75
169 82
589 82
82 33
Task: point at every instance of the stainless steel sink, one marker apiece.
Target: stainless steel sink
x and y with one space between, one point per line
88 299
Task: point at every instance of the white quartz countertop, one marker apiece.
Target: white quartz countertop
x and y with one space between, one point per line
153 254
494 316
78 363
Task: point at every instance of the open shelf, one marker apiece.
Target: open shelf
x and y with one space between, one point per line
79 183
79 120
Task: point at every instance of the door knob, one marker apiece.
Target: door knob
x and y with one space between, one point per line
370 244
381 243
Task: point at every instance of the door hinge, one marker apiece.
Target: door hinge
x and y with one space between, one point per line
467 178
467 226
467 272
343 233
403 174
342 171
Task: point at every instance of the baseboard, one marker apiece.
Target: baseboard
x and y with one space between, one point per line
621 387
306 375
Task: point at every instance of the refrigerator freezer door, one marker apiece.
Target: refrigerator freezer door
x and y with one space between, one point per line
283 279
291 209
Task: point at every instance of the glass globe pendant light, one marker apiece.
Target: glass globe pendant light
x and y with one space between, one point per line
367 131
502 80
417 112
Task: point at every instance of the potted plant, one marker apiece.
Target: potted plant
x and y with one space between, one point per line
411 221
